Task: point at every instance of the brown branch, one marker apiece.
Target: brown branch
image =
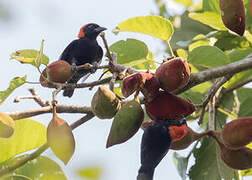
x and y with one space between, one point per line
211 93
21 161
237 86
48 109
213 73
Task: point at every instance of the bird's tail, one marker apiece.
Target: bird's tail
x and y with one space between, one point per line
145 174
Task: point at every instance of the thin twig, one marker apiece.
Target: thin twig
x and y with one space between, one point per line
37 98
211 121
102 34
212 91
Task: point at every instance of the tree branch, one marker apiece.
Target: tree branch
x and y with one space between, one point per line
213 73
48 109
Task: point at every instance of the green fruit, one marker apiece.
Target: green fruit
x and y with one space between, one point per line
104 103
126 123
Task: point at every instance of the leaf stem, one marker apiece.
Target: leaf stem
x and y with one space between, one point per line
170 48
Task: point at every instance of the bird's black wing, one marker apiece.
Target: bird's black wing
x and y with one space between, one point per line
67 54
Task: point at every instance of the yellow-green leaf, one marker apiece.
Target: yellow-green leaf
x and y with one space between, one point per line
60 138
31 56
211 19
182 53
156 26
41 168
90 172
6 125
15 83
28 135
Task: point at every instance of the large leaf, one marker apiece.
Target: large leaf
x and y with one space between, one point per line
212 6
211 19
238 78
181 164
90 173
156 26
28 135
245 108
208 165
31 56
15 83
133 53
41 168
199 40
208 57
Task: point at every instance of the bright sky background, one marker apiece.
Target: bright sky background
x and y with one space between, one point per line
58 22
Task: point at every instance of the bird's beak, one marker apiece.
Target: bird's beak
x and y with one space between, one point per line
100 29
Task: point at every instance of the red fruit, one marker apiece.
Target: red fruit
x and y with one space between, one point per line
233 15
144 81
240 159
59 72
168 106
173 74
237 133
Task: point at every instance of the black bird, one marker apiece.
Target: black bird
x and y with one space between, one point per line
155 144
81 51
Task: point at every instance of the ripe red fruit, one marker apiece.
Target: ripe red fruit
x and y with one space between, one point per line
233 15
59 72
237 133
240 159
187 140
173 74
145 81
168 106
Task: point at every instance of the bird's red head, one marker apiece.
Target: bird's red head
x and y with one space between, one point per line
81 33
90 30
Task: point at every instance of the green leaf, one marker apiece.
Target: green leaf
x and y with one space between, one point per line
239 54
182 53
41 168
244 93
133 53
227 41
31 56
247 172
181 164
211 19
90 172
245 108
208 57
201 40
156 26
28 135
208 165
238 78
212 6
15 83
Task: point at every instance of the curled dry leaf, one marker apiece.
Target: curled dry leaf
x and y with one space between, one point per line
173 74
166 106
59 72
60 138
126 123
6 125
104 103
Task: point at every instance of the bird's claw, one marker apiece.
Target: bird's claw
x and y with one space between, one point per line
95 66
74 67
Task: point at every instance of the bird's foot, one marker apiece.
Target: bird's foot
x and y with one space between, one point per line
74 67
95 66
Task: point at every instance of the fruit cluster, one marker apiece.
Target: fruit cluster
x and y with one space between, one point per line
232 140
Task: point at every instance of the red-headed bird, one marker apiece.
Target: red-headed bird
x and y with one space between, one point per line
81 51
